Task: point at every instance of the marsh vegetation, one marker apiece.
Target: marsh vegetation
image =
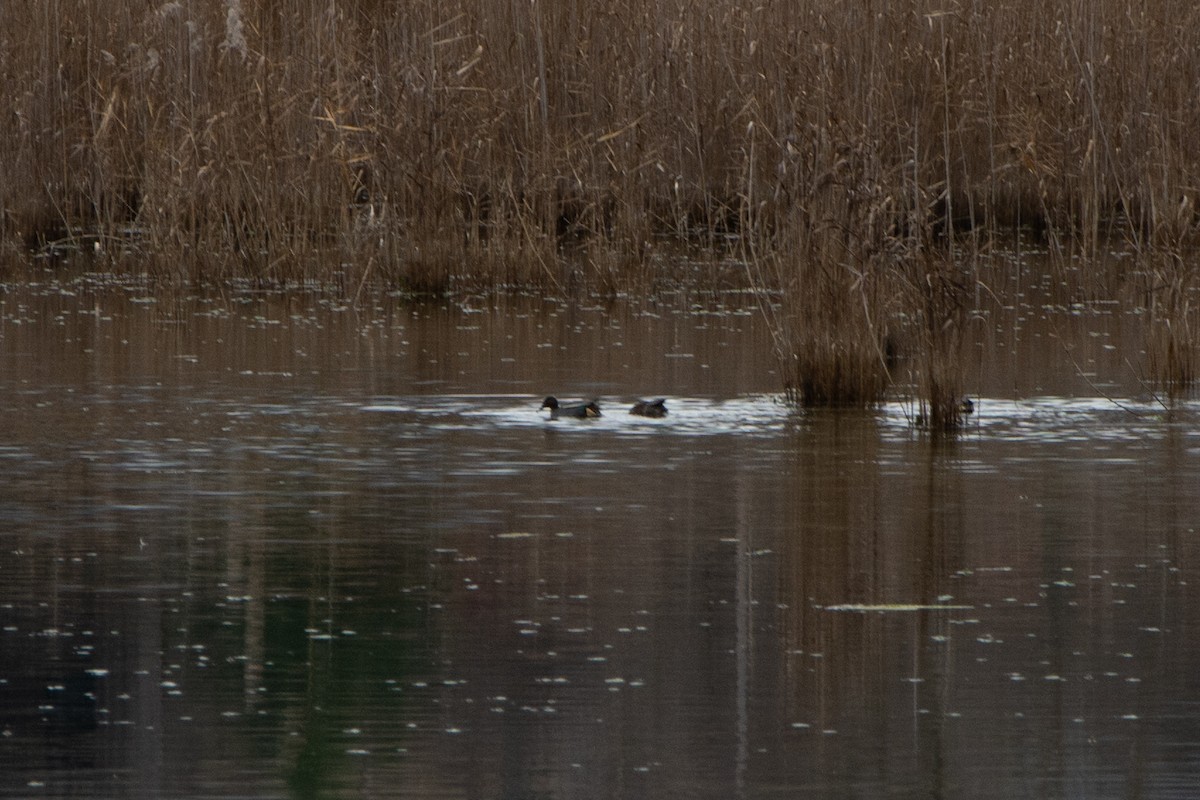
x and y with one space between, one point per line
864 162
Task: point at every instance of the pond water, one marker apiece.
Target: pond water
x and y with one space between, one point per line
255 545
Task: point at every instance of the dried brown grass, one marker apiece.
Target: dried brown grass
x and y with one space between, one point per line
843 147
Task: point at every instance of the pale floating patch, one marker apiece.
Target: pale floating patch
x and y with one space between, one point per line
515 535
863 608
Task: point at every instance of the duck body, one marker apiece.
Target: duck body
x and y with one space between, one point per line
650 408
584 409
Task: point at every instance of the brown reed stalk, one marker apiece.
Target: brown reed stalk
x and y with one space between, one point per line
451 145
261 131
1171 336
941 293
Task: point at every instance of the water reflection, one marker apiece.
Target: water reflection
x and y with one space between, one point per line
268 547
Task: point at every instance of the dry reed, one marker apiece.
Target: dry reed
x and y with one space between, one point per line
451 144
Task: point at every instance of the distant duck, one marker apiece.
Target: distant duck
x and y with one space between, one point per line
584 409
650 408
967 406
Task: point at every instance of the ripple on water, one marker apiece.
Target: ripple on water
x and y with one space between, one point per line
1044 420
754 415
1096 421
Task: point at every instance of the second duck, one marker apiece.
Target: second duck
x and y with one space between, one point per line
650 408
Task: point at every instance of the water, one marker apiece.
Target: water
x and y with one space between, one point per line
255 546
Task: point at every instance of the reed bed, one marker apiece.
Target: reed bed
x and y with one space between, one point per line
846 151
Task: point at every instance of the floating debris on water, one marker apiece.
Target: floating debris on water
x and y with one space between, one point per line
863 608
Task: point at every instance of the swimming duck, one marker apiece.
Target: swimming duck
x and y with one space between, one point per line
581 410
967 406
650 408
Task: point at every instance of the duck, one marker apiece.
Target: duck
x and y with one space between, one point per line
584 409
967 406
650 408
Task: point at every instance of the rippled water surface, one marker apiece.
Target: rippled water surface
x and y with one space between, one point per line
264 546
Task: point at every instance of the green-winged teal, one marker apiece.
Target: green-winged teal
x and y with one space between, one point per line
581 410
650 408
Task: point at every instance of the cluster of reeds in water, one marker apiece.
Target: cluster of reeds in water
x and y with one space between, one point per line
859 157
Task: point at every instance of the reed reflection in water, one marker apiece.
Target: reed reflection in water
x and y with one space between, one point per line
277 549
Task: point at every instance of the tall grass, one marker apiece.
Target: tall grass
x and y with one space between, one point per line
844 147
